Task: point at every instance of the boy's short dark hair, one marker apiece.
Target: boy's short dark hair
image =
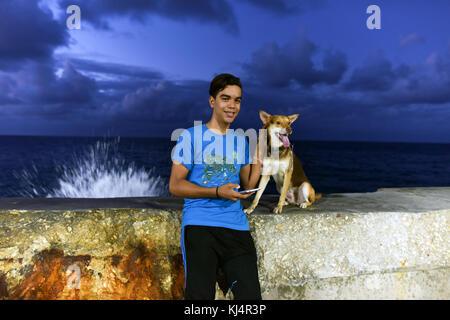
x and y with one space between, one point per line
221 81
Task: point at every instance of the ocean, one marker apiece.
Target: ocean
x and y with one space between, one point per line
89 167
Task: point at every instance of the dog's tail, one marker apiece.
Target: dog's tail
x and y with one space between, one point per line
314 197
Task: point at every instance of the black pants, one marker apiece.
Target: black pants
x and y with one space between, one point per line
208 248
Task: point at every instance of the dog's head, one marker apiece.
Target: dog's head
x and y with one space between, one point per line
278 128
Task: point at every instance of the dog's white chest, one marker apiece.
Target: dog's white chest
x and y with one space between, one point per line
274 166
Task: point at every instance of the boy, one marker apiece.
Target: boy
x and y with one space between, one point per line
215 231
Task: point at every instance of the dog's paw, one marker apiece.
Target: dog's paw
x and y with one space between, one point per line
278 209
303 205
249 210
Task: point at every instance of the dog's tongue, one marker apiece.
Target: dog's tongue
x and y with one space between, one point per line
285 141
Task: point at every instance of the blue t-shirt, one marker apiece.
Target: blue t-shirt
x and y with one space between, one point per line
212 160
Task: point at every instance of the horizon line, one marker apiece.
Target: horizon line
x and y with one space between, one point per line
165 137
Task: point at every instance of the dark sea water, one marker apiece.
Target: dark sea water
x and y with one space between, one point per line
126 167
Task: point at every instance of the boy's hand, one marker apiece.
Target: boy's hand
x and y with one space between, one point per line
226 191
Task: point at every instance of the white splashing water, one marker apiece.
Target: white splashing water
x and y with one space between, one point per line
100 172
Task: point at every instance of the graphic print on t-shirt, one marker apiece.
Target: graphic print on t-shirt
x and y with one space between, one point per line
218 169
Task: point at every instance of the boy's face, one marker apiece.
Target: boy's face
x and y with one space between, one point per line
227 104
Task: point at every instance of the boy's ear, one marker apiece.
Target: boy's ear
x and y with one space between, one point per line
292 118
264 116
211 101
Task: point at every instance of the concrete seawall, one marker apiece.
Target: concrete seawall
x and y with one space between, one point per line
390 244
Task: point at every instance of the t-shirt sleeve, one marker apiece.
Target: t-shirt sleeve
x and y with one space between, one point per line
183 152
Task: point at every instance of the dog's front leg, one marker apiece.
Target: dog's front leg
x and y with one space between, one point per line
262 184
284 190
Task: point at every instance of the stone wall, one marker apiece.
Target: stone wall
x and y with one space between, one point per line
390 244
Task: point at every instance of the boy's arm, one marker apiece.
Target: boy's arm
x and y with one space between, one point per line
180 187
249 174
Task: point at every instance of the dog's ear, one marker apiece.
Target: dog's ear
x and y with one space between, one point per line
264 116
292 118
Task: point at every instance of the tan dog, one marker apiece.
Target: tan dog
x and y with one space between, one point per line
286 169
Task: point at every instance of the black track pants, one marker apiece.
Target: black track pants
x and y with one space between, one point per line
208 248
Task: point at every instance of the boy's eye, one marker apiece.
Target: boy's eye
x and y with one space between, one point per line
278 122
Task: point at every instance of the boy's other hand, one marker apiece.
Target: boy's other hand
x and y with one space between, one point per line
227 191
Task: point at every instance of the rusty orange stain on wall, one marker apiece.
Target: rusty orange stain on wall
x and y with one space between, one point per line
177 269
138 275
3 286
139 268
47 279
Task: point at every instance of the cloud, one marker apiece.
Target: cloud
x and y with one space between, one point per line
377 74
114 79
448 49
286 7
279 66
337 103
7 84
164 101
428 83
384 84
28 32
98 13
115 69
411 39
129 98
143 102
36 90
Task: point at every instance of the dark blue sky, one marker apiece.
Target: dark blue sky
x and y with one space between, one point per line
142 68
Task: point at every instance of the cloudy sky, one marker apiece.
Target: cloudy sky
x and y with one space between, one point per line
142 68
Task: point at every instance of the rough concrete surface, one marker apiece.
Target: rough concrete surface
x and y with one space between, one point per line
390 244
